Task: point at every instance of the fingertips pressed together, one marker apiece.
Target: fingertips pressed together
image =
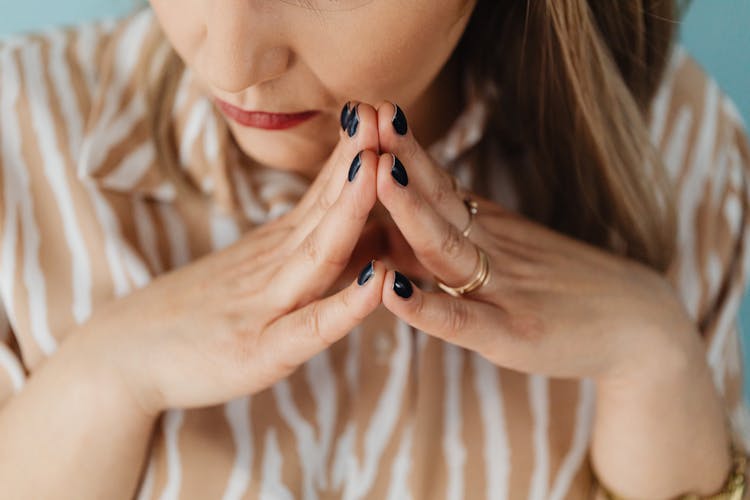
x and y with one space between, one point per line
329 182
364 137
436 185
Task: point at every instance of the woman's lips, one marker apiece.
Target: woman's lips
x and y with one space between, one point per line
261 119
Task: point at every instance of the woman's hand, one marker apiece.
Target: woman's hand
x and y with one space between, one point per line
553 305
237 320
557 306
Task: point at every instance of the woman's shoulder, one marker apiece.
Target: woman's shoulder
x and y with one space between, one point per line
55 86
693 121
703 142
57 73
72 55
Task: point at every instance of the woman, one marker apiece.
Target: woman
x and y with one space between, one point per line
381 249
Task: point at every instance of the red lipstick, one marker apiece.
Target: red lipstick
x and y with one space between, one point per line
262 119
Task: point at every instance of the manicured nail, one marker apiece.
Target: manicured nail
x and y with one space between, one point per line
345 114
402 286
398 171
353 122
354 168
399 121
366 273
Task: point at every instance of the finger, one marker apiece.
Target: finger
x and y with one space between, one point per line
467 323
371 245
296 337
321 256
435 184
437 243
334 174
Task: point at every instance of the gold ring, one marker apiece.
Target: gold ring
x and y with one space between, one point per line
473 207
480 278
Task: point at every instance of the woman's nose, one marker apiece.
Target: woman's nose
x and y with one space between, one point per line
242 46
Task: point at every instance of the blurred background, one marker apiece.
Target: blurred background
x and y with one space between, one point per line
715 32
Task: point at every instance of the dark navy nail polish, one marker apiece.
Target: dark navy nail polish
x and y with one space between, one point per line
354 168
398 172
402 286
345 115
366 273
399 121
353 122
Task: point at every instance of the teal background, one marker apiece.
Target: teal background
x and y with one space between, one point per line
716 32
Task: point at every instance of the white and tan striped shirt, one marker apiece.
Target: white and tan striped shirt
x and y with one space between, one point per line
87 216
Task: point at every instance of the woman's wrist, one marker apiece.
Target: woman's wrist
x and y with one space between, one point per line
109 368
660 429
73 415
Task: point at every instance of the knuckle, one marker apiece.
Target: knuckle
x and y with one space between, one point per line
312 252
442 190
346 300
360 207
409 150
414 203
335 260
458 317
352 308
312 323
322 202
318 256
526 325
310 249
416 307
243 346
451 242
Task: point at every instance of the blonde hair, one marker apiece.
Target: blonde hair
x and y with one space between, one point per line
575 79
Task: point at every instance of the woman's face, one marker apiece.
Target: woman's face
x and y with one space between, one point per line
292 56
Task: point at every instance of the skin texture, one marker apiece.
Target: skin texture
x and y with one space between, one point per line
287 290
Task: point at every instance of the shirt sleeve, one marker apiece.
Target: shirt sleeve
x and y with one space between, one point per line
704 143
721 225
12 372
727 277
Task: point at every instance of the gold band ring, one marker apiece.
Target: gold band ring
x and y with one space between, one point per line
480 278
473 207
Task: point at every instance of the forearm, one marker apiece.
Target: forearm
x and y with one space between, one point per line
662 432
72 432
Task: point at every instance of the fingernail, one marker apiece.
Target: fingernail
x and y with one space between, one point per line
399 121
353 122
345 111
354 168
402 286
366 273
398 171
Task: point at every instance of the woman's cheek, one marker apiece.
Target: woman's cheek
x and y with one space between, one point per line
181 26
371 72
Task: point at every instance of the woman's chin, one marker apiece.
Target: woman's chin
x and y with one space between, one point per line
281 150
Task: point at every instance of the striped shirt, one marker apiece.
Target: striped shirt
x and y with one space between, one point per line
388 412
